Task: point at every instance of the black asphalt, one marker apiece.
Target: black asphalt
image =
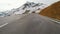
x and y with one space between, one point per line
31 24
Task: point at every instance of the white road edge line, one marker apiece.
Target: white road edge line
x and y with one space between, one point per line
3 25
54 21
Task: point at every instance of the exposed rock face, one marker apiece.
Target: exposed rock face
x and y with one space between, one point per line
52 11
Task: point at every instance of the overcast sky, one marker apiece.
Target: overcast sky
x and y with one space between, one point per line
9 4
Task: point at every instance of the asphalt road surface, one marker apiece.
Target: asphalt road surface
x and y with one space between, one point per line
9 19
31 24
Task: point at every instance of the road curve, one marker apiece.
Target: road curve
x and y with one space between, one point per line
31 24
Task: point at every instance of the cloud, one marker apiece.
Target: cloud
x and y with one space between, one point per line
9 4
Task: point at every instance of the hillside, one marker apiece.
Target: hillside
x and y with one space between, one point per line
52 11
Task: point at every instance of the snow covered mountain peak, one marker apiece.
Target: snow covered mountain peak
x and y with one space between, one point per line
28 7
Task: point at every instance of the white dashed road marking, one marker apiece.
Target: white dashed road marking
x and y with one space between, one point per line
3 25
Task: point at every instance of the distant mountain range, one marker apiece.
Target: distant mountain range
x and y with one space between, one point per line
28 7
